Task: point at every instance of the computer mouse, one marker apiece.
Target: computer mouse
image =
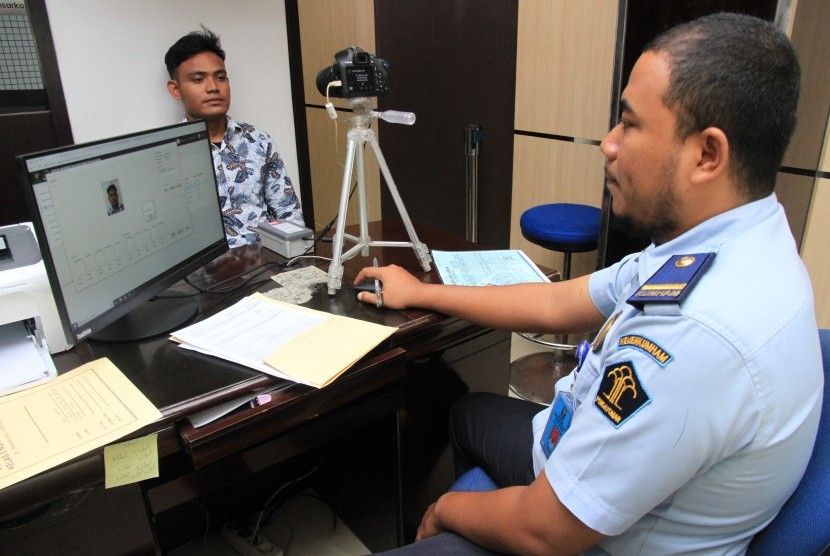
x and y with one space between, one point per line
366 286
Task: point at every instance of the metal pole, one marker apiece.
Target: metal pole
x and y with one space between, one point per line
472 145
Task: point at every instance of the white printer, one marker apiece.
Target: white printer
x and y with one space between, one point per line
30 328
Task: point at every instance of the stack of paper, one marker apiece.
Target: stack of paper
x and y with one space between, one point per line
283 340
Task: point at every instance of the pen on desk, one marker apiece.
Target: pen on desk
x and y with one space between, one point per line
260 400
378 291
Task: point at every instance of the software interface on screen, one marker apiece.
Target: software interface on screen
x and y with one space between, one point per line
119 213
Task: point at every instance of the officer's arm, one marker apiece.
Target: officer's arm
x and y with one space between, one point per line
535 307
516 520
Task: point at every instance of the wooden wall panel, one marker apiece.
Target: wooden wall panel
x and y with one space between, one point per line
327 27
812 42
548 171
814 250
451 75
824 162
794 192
327 153
565 66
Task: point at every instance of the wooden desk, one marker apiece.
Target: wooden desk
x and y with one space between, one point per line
415 375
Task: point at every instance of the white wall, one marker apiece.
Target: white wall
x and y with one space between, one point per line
111 60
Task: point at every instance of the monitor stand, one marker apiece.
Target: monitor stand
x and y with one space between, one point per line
150 319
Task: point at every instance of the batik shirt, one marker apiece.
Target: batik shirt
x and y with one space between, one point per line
253 185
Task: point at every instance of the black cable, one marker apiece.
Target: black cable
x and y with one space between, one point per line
207 522
320 237
212 289
270 500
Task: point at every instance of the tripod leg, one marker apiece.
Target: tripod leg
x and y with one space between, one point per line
421 250
335 273
362 205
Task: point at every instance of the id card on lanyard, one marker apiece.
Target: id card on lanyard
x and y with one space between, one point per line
562 409
561 413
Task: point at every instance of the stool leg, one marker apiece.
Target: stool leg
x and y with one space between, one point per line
566 266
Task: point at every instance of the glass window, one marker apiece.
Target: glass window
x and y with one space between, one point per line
21 80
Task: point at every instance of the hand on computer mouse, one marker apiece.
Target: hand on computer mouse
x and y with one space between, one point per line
366 286
398 286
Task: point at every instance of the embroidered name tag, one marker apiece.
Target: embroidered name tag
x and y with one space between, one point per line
673 281
621 395
646 346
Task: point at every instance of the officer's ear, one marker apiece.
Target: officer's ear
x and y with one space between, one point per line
711 154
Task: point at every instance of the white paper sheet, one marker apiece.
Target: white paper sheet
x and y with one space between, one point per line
486 268
247 332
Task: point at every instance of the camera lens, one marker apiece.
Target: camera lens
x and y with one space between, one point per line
325 77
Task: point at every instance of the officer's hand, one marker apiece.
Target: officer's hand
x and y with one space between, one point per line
397 285
428 527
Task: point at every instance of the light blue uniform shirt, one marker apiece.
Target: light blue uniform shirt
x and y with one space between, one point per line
720 395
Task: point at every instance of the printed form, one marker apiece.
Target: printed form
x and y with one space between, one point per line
486 268
78 411
287 341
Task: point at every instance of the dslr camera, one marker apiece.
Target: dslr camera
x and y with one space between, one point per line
360 75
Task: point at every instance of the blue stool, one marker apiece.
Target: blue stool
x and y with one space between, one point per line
474 480
567 228
564 227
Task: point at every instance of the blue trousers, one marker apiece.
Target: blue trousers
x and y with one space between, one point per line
494 432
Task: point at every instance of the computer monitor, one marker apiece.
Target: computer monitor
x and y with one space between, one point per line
120 220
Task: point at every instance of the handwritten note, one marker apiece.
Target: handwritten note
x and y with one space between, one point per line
131 461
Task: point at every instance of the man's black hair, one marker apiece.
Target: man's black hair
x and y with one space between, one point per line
112 186
190 45
740 74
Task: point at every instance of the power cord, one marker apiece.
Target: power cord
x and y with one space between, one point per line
333 115
265 507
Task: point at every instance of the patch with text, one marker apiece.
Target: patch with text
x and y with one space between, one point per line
648 347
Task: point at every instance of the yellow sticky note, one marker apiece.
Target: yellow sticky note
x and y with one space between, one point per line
131 461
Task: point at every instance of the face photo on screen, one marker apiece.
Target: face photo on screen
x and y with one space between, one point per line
114 203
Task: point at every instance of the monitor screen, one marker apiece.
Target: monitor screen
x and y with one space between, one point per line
120 220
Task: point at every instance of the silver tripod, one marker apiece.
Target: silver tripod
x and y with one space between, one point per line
357 137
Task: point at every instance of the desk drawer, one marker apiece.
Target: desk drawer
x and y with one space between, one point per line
255 439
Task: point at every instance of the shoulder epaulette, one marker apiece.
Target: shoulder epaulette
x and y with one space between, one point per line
673 281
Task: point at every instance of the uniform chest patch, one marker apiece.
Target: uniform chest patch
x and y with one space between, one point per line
621 395
646 346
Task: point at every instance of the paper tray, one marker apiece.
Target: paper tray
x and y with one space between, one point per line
25 363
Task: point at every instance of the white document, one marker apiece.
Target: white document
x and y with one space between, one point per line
287 341
247 332
486 268
211 414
